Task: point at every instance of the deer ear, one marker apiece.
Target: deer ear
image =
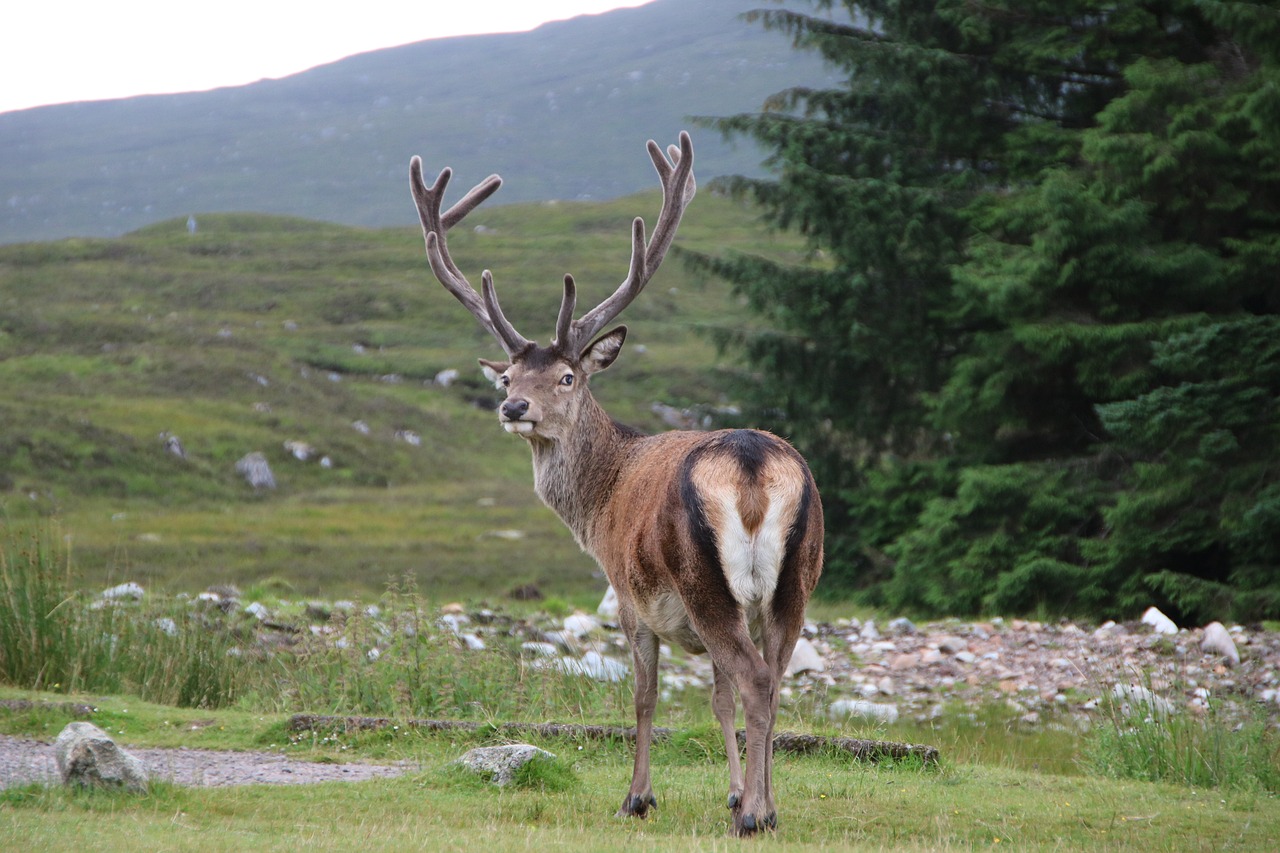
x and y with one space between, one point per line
603 350
493 370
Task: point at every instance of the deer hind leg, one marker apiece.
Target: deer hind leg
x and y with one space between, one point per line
644 651
733 653
779 641
724 703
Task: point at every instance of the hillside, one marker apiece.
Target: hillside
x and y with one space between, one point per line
561 112
258 331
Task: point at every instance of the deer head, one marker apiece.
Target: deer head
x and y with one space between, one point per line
546 385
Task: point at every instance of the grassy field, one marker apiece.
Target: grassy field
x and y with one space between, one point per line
825 801
261 330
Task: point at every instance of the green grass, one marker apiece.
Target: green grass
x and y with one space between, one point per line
825 802
232 339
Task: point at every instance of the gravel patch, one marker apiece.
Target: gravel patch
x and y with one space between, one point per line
23 761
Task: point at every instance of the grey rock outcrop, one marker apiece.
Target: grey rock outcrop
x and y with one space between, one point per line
86 755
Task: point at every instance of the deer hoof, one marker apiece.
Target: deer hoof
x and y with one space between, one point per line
749 824
637 806
734 801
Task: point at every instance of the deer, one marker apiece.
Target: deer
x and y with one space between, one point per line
712 540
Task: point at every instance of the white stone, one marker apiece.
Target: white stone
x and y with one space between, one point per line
1159 623
608 609
861 708
544 650
129 590
593 665
1140 700
805 658
500 763
1217 640
581 624
473 642
257 610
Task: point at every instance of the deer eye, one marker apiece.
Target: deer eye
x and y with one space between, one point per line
505 380
567 380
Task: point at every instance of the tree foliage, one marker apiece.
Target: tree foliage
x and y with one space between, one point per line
1034 355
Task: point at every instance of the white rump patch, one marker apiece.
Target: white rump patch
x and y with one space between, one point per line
751 563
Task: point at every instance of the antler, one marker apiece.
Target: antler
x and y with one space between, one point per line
434 225
678 187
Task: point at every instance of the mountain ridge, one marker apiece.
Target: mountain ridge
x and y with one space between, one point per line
562 112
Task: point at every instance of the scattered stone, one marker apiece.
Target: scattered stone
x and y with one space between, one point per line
901 627
87 756
473 642
130 590
608 608
805 658
581 624
861 708
500 763
1217 640
257 610
173 445
539 649
593 665
527 592
951 645
409 437
361 427
255 470
447 377
1137 699
1159 623
299 450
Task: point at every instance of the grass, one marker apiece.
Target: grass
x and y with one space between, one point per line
825 802
260 330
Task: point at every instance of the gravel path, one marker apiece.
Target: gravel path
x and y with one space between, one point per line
23 761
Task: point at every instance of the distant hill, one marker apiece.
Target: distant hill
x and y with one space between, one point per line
561 112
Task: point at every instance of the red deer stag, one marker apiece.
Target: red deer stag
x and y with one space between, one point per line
712 540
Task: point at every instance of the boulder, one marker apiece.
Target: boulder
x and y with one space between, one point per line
581 624
1217 640
500 763
608 609
805 658
1159 623
87 756
255 470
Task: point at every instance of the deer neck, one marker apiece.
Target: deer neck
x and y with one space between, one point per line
575 475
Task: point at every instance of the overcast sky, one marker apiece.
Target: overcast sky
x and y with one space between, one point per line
54 52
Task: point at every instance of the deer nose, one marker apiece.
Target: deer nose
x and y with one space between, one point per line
513 410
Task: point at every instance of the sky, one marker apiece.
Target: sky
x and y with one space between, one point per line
54 51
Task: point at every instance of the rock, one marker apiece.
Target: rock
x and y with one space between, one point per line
1217 640
861 708
1139 700
473 642
1159 623
409 437
526 592
256 471
805 658
581 624
447 377
608 609
130 590
87 756
539 649
299 450
257 610
901 626
951 645
500 763
593 665
173 445
869 631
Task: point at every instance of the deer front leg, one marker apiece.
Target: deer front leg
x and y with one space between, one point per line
725 706
644 651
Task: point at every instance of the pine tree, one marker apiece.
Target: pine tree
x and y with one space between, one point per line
1023 217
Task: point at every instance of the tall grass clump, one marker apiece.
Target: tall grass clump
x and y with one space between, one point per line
1144 737
406 664
51 638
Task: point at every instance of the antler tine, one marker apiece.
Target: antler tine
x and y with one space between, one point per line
434 226
512 341
678 188
567 305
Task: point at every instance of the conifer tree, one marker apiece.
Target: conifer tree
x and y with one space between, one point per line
1033 357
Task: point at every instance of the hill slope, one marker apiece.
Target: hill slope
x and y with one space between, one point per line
258 331
561 112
